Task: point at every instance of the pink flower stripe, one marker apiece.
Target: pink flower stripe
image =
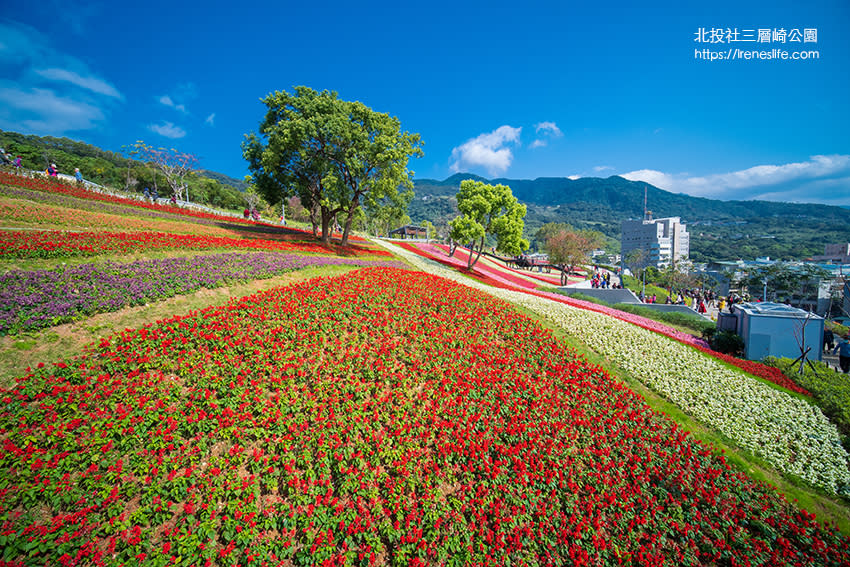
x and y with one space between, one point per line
554 280
493 277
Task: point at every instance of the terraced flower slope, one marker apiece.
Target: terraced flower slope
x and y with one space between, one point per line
382 417
791 434
35 299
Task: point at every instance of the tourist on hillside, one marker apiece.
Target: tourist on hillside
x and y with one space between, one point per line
147 194
51 170
78 176
843 350
18 165
828 340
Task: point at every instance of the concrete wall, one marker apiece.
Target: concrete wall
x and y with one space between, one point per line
666 308
607 295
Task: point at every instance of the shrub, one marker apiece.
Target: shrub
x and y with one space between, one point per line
728 342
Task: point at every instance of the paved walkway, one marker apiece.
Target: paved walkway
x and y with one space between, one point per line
832 361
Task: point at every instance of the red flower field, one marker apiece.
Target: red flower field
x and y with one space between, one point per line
51 243
383 417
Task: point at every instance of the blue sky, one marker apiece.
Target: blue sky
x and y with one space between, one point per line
517 90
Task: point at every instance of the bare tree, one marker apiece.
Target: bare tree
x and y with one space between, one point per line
800 337
174 165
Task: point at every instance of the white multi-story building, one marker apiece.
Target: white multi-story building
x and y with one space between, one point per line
662 240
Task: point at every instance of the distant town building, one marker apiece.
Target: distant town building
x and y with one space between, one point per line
835 254
662 240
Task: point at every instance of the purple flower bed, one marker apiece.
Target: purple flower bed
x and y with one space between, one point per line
42 298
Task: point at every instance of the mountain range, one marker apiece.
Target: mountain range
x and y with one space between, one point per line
720 230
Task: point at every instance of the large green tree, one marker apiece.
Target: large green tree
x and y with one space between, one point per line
488 210
333 154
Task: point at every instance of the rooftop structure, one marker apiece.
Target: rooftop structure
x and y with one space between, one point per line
776 329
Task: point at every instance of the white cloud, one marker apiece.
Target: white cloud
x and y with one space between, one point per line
91 83
167 101
800 181
573 177
487 151
599 168
65 97
210 119
42 111
545 130
549 128
168 129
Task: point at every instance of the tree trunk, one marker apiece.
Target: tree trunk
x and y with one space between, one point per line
452 248
351 210
477 256
326 221
314 220
565 277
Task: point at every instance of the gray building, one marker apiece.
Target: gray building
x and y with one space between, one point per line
775 329
662 240
835 254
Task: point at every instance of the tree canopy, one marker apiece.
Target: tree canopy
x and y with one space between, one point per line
782 280
488 210
569 248
335 155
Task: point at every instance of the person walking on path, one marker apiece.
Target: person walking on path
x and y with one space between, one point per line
843 350
828 340
78 176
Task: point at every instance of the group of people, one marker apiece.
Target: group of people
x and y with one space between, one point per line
151 195
7 159
602 280
251 214
842 349
52 170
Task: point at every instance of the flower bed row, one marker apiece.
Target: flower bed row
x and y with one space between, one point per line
27 213
494 278
383 417
791 434
54 243
552 279
65 210
51 185
36 299
68 202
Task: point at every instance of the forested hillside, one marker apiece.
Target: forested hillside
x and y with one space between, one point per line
115 170
720 230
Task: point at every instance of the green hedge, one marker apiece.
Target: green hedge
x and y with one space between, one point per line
695 323
830 388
